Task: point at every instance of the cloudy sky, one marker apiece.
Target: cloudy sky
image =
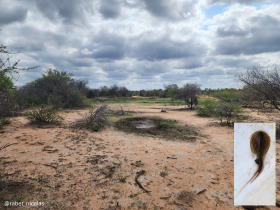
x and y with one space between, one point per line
143 44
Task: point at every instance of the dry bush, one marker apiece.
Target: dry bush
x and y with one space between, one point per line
94 120
265 82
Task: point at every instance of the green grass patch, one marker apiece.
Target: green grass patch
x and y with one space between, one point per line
143 101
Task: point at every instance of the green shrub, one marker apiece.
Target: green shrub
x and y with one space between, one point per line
220 110
206 107
228 96
55 87
227 111
45 114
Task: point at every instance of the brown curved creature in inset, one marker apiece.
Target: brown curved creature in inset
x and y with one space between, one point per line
259 143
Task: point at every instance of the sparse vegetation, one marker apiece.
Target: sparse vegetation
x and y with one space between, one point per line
122 179
137 163
221 110
45 114
156 127
94 120
106 170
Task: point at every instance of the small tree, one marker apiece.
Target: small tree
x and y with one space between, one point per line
103 91
8 104
93 93
171 91
114 91
81 84
143 93
123 91
189 93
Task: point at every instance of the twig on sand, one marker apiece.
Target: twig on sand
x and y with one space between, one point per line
7 145
138 183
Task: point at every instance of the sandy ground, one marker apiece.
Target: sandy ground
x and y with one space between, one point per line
70 169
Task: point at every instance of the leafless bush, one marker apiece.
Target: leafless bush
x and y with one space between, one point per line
265 82
94 120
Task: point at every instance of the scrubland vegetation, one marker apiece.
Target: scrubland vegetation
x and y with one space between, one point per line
58 89
55 92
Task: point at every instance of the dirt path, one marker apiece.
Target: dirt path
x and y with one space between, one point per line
67 169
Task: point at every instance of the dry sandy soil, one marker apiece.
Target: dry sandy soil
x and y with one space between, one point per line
71 169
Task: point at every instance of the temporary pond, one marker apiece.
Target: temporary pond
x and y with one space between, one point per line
145 124
156 126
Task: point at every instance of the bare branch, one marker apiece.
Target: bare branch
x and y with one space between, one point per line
264 81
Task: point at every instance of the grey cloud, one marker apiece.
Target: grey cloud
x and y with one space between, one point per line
118 75
110 9
133 4
191 76
158 8
11 15
111 52
263 36
232 62
248 2
140 69
28 46
265 21
190 63
213 72
38 40
70 11
232 30
80 62
165 48
170 9
205 73
106 45
150 68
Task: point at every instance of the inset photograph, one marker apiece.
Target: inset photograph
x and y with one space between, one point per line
254 164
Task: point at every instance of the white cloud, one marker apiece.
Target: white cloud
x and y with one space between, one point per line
141 43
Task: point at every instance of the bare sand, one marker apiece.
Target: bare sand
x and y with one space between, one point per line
70 169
